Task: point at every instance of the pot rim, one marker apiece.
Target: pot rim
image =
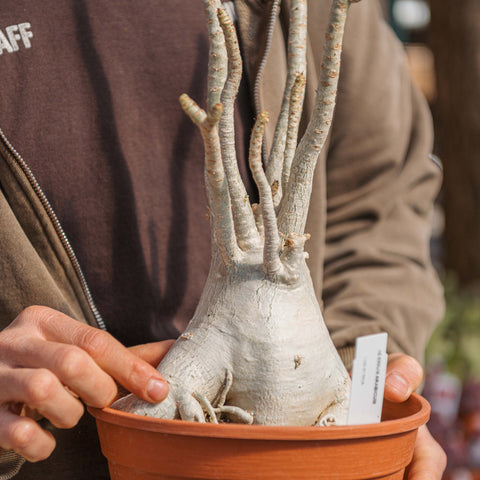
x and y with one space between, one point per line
411 421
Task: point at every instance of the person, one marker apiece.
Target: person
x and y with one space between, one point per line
102 217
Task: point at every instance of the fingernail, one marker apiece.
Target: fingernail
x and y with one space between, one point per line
398 385
157 390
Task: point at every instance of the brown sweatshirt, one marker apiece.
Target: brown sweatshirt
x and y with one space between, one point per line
89 100
92 95
91 105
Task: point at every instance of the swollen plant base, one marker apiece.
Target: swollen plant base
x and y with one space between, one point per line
257 349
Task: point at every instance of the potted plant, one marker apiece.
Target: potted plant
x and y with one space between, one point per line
257 350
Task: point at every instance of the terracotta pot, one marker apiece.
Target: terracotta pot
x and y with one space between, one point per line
141 448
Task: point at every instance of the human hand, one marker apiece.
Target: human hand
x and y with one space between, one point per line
404 375
50 362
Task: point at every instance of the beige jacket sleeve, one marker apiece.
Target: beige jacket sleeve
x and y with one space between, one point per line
381 185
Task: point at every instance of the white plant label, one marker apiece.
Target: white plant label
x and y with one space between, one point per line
368 379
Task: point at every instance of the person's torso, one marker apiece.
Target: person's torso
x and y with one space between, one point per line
89 99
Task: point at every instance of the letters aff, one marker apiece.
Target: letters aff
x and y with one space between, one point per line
14 37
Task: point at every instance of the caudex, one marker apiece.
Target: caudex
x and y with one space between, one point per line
257 349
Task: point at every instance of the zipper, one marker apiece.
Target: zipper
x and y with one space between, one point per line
58 228
256 86
268 43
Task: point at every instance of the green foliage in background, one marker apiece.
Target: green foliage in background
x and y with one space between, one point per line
457 338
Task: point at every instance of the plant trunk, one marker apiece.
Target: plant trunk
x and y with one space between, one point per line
261 344
257 349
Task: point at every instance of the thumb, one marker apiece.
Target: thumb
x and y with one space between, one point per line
404 375
153 352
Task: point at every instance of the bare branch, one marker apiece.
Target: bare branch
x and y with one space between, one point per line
257 213
294 114
247 235
219 199
234 76
217 62
294 208
271 256
297 64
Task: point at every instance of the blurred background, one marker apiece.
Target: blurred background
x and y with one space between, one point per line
442 42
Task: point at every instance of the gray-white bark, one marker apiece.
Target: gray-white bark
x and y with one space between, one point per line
257 349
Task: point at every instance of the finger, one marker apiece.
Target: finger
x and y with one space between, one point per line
129 370
429 460
404 375
25 436
41 390
70 364
154 352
